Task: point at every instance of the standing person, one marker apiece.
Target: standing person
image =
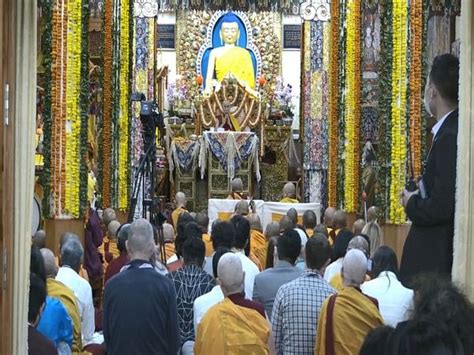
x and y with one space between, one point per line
269 281
429 245
140 314
190 282
297 303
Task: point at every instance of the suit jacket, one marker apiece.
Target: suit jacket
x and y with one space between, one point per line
429 245
269 281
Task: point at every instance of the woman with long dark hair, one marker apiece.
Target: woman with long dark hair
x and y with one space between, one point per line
395 300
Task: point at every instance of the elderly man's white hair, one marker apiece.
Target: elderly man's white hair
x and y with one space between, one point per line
289 190
354 267
359 243
168 232
237 185
230 274
140 244
50 266
180 199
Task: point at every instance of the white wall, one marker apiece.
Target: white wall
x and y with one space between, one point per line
291 69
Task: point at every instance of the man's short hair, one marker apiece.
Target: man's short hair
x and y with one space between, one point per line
39 238
318 252
192 230
293 214
354 268
230 272
194 251
242 231
122 236
202 219
37 297
141 237
71 254
289 246
286 223
444 75
223 235
216 257
242 208
340 219
309 219
272 230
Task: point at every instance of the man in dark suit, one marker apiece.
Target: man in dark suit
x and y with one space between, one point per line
429 245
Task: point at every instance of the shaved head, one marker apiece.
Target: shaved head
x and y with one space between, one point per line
340 219
49 263
66 237
237 185
202 219
329 216
242 208
168 232
309 219
358 226
359 243
272 230
293 214
39 238
286 223
255 223
230 274
372 214
180 199
289 190
113 227
108 216
140 244
354 268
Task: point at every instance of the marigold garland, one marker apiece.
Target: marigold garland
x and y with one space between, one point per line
124 105
333 104
106 138
398 172
416 20
352 106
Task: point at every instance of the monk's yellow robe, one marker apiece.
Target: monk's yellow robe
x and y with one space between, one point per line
238 62
206 238
289 200
170 250
236 196
232 330
109 250
175 215
344 322
82 271
65 295
256 261
258 246
336 281
310 232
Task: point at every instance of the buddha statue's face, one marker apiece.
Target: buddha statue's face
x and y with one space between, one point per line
230 32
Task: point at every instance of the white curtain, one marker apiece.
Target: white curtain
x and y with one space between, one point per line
463 265
24 127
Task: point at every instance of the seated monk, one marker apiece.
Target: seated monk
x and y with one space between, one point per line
180 200
64 238
116 265
339 222
65 295
235 325
258 242
202 219
109 249
359 243
309 222
329 219
348 316
289 193
169 237
237 188
241 208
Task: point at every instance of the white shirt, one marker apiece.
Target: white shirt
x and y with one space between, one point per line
251 270
203 303
83 292
438 124
208 264
303 236
395 300
333 269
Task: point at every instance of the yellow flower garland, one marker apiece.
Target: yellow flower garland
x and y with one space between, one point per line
398 173
124 107
352 106
73 75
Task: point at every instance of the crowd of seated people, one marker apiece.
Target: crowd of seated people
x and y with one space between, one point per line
237 288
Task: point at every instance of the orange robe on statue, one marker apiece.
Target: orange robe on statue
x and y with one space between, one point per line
344 322
230 329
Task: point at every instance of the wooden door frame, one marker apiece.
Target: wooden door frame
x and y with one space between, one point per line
7 75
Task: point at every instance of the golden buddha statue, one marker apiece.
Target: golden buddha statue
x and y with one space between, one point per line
230 59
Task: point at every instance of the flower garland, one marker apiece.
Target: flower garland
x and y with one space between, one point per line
47 9
333 103
385 137
84 107
73 75
416 21
106 137
352 107
398 173
123 166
